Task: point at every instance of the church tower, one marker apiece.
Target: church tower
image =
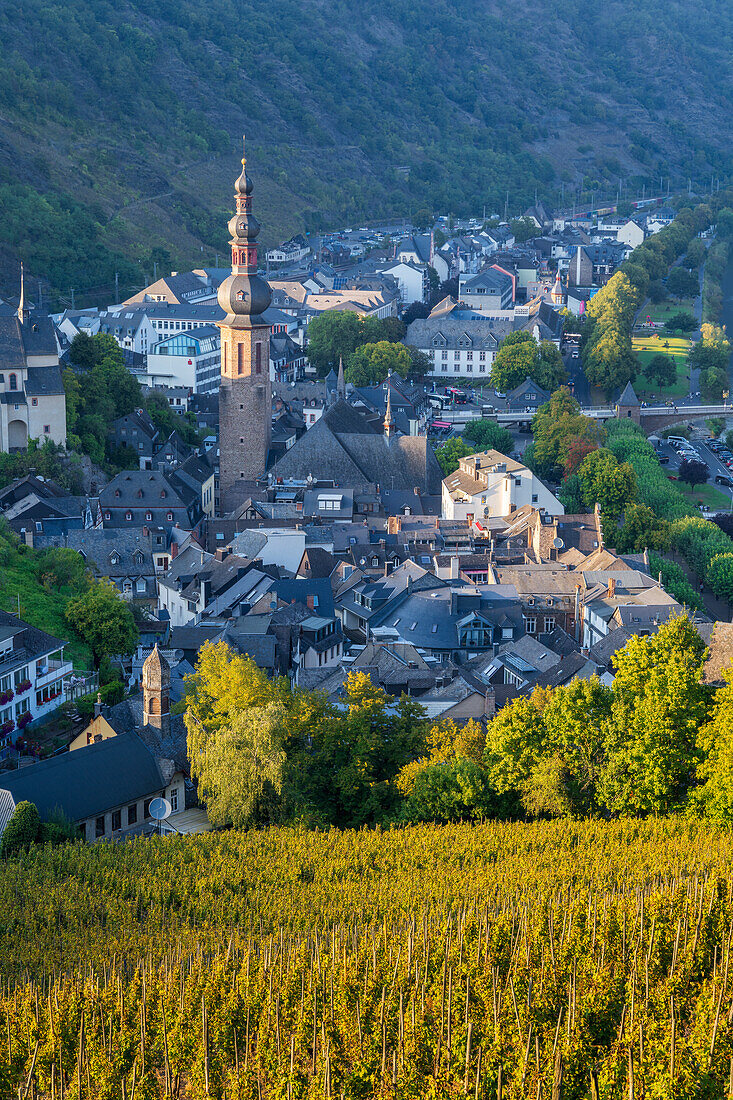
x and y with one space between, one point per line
157 692
245 400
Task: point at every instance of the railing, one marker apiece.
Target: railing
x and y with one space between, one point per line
80 683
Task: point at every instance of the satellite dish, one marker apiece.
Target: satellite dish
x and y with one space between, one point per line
160 809
558 544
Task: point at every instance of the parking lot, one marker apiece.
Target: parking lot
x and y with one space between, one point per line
717 458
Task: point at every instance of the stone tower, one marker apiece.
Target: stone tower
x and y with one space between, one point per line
157 692
245 400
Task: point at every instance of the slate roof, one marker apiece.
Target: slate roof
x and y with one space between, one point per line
34 641
477 332
628 397
34 338
88 781
344 447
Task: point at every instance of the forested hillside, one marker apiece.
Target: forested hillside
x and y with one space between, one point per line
120 123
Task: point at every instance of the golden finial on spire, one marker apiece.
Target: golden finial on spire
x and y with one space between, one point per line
244 151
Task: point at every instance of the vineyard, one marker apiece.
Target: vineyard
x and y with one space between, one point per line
556 960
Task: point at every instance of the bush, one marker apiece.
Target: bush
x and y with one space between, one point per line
21 831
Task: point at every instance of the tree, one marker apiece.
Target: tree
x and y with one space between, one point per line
576 450
681 322
520 357
103 621
415 311
662 369
658 706
450 452
523 229
719 576
355 756
683 284
420 363
21 830
237 766
657 292
693 472
714 382
557 427
714 798
488 435
605 481
371 363
641 530
333 335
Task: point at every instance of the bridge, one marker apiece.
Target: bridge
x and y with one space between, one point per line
651 416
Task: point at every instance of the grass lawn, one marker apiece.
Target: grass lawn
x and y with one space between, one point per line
705 494
645 348
665 310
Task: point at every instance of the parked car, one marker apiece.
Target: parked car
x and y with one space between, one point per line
721 479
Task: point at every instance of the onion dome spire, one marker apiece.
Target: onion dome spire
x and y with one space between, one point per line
244 296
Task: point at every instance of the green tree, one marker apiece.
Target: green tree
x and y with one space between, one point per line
559 428
659 704
605 481
449 453
523 229
681 322
714 797
420 363
371 363
21 831
103 621
641 530
488 435
333 335
719 576
682 284
661 369
520 357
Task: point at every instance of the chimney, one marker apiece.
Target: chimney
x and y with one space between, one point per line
490 703
454 568
98 705
611 587
310 602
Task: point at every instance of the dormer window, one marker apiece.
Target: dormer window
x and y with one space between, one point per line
117 492
113 559
163 494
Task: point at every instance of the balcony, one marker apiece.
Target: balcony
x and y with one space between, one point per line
51 670
14 659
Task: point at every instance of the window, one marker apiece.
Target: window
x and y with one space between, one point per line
146 808
132 814
549 624
174 800
34 401
107 515
128 516
46 429
534 498
517 481
445 354
140 585
99 827
469 355
127 587
482 368
240 358
258 358
530 623
13 381
116 820
482 356
169 515
148 515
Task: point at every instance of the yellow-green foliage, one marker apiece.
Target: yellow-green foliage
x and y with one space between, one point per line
411 963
